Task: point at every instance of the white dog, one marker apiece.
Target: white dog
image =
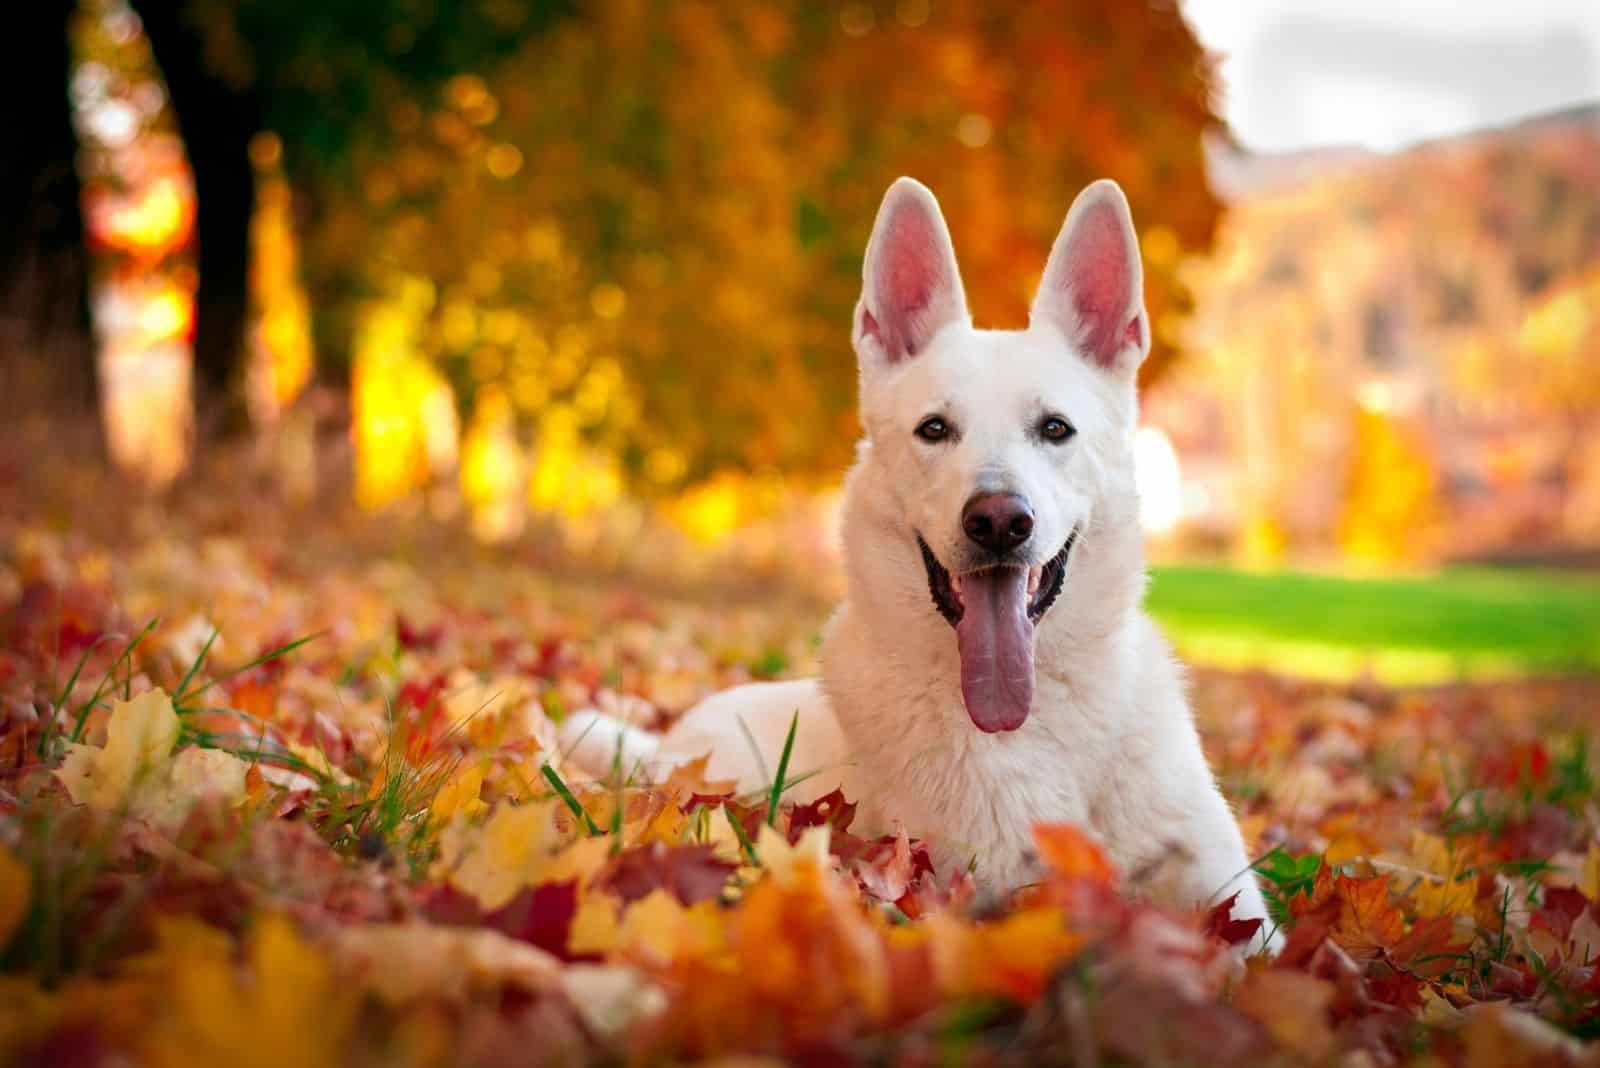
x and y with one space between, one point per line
991 666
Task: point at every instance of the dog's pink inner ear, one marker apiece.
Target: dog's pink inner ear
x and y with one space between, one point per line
912 283
1092 284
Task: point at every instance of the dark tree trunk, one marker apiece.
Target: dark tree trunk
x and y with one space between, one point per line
45 339
217 121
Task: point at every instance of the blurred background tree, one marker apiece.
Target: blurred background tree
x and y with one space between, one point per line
631 232
319 76
645 227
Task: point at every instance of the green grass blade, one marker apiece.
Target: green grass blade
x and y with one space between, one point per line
744 839
47 735
282 650
127 651
783 769
566 795
188 676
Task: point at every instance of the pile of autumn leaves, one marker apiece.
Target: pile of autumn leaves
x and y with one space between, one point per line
234 880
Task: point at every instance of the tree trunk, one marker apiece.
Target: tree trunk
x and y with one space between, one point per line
216 120
46 345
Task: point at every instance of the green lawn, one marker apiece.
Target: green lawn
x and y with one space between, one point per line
1453 625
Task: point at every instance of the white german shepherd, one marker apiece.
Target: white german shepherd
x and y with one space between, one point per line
991 666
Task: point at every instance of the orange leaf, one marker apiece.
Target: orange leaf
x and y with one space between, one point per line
1367 921
1073 855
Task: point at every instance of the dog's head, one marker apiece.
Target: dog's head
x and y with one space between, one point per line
1006 443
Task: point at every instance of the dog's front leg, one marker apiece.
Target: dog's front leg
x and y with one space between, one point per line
1213 866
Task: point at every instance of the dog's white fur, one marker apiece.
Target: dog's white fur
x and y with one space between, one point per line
1110 743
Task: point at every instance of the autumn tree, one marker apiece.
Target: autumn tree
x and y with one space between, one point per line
645 227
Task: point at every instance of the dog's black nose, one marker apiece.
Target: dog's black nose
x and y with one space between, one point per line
998 522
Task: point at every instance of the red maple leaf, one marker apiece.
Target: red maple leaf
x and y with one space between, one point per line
539 915
1221 924
689 873
830 810
1560 909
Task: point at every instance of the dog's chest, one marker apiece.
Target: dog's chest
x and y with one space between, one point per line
974 796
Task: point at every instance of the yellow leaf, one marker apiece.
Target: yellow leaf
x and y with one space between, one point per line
660 925
594 927
666 826
1348 846
496 860
784 862
1589 881
580 859
1449 894
1452 898
139 739
16 886
194 774
460 794
141 733
287 1009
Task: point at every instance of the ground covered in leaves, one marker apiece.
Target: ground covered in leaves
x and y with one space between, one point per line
265 802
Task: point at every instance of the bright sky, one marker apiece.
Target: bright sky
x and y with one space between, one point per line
1385 73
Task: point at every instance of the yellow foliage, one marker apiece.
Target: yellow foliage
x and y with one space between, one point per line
403 410
492 862
283 1008
1390 501
136 770
459 795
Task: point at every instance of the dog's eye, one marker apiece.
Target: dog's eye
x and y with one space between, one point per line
933 428
1054 428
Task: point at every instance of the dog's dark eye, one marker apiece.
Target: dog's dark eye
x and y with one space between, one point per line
1054 428
933 428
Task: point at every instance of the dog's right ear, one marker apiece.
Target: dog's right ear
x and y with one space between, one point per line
911 287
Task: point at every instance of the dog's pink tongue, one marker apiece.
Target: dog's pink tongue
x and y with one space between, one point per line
995 638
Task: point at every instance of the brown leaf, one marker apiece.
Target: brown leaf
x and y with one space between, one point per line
830 809
689 873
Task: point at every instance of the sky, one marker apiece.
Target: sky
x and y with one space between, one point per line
1383 74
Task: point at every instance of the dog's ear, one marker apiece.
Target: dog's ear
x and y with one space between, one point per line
911 287
1093 284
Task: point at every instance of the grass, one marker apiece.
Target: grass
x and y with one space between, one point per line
1458 624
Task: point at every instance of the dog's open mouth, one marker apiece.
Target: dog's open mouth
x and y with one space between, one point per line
993 610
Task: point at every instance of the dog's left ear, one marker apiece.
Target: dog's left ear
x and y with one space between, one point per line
1093 284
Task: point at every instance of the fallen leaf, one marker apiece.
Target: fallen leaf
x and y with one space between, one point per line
139 738
403 963
689 873
1071 854
1221 924
459 794
495 860
16 887
1367 920
1293 1007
